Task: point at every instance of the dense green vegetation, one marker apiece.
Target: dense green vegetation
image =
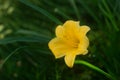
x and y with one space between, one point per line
26 26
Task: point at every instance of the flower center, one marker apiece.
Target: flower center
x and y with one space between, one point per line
73 42
76 43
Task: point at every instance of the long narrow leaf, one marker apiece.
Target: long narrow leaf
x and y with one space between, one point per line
42 11
23 39
9 56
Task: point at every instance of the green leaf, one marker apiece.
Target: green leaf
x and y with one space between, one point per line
42 11
4 61
24 39
43 33
75 8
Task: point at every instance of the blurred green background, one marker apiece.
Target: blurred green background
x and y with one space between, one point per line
26 26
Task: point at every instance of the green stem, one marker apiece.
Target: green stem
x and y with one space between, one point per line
94 68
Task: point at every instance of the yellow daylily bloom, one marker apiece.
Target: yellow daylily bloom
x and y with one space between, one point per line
70 40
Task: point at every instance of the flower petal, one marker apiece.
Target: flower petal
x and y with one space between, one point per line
71 24
71 28
82 48
69 59
82 52
59 47
84 42
60 31
83 30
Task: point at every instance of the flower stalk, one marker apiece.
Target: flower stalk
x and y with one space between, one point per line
94 68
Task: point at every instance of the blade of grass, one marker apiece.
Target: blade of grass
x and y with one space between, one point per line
23 39
4 61
88 9
62 13
30 32
106 11
75 8
42 11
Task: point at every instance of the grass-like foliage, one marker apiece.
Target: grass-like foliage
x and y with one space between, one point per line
26 27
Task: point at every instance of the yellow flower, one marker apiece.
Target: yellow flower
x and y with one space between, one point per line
70 40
